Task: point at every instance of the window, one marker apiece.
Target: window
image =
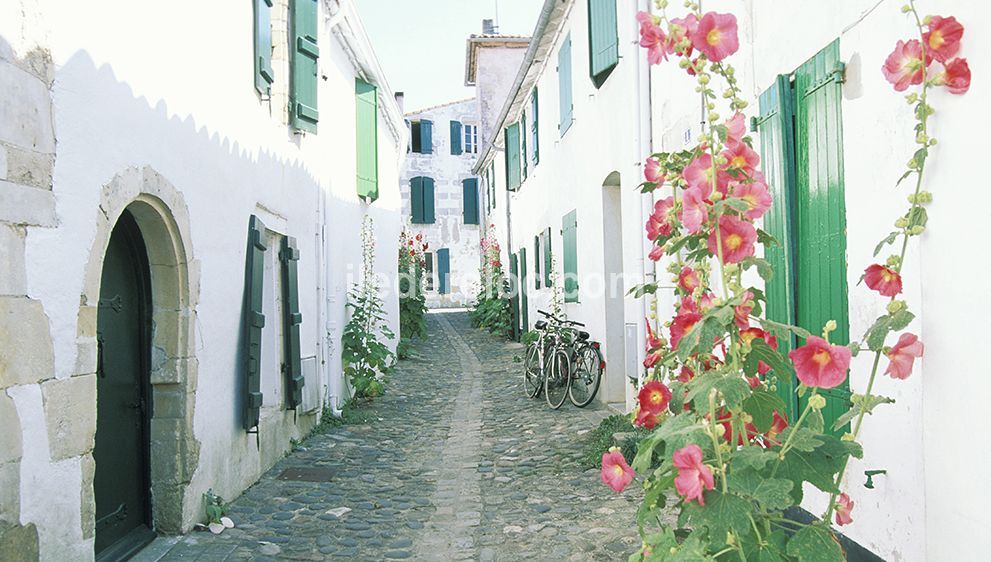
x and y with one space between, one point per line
428 270
469 188
471 139
603 40
303 65
569 232
523 151
801 146
421 136
513 169
366 120
272 385
422 200
264 76
456 133
566 106
444 271
534 136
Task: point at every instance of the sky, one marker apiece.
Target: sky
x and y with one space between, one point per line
421 43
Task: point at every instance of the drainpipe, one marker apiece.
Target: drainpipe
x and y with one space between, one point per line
645 143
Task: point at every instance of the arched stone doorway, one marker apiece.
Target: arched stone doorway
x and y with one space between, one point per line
613 388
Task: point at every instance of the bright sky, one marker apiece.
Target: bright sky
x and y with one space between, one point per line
421 43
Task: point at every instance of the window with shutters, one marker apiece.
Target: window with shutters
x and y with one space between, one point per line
513 166
273 386
264 75
523 150
292 366
801 149
422 200
443 271
569 234
603 40
304 54
421 136
469 188
456 140
566 105
253 322
471 139
428 271
366 121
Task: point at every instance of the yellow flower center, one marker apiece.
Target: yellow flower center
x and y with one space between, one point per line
733 241
617 470
936 39
656 397
887 275
821 357
738 161
714 37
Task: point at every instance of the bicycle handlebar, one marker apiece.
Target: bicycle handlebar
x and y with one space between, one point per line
551 316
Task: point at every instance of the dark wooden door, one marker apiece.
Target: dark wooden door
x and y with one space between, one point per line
121 483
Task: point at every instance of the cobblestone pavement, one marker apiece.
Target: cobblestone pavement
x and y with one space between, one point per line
457 464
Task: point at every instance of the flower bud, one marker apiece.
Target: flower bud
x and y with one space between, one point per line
713 116
829 327
901 223
817 402
912 98
683 63
924 197
906 9
847 437
926 20
894 261
896 306
746 418
728 94
916 230
703 79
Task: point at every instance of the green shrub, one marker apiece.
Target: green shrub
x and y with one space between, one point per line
600 439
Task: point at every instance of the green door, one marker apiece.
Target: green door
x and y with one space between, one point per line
524 304
121 483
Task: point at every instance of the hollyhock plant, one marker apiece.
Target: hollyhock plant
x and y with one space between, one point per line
656 253
737 238
616 473
644 418
955 76
716 36
736 129
688 279
681 325
756 195
819 364
654 397
698 175
693 210
884 280
659 222
741 157
653 39
741 312
943 38
751 334
694 477
680 32
904 67
652 171
844 506
903 355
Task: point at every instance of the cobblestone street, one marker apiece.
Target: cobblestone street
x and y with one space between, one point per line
456 464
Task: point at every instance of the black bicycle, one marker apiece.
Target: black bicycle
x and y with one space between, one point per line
562 362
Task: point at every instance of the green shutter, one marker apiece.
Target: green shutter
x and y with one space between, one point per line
523 152
603 39
820 224
305 52
524 306
536 261
426 136
548 242
291 319
513 179
469 188
456 134
264 76
428 201
444 270
564 86
416 200
569 230
366 121
492 183
514 296
534 130
252 322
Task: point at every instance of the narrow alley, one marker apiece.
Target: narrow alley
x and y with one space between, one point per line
455 464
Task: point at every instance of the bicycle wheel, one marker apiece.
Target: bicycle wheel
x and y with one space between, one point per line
532 371
557 380
587 377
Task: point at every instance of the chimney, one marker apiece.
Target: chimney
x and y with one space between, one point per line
399 100
489 28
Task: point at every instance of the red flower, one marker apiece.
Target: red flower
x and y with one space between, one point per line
741 157
652 38
419 237
736 128
903 67
652 171
943 38
903 355
884 280
707 302
659 223
820 364
844 505
688 279
615 472
656 253
756 195
652 359
955 76
412 253
654 397
737 238
686 374
693 476
693 210
653 342
751 334
741 312
645 419
779 424
716 36
681 325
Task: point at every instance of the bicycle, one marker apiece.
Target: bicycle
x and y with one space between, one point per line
565 361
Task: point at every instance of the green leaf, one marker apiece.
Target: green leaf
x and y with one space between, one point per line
901 319
889 239
917 216
804 440
815 543
680 425
773 494
760 351
640 290
702 337
819 466
878 332
720 514
861 403
761 406
901 179
647 186
734 203
751 458
764 268
815 421
783 328
733 389
692 550
676 244
766 239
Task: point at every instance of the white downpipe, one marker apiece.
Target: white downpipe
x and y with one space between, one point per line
644 145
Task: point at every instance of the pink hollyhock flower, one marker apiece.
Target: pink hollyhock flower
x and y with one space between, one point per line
699 174
679 30
688 279
652 38
653 342
682 324
903 355
756 195
686 374
955 76
741 157
615 472
716 36
659 222
652 170
693 210
656 253
943 38
820 364
736 128
651 360
654 397
737 237
844 505
645 419
903 67
693 476
750 334
706 302
741 312
884 280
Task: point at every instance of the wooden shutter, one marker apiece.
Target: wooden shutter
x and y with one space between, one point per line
456 134
428 270
305 52
444 270
524 156
547 257
426 136
536 261
524 303
264 76
469 188
492 182
514 296
513 179
534 127
603 39
252 322
428 201
569 230
292 367
564 85
416 200
366 121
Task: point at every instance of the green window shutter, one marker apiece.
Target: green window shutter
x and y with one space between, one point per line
366 120
304 54
428 201
523 153
456 134
547 257
820 217
514 296
570 234
253 320
469 189
564 86
513 179
524 306
291 319
444 270
416 200
536 261
603 39
534 127
492 183
264 76
426 137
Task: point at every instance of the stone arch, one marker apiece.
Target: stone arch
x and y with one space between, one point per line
163 219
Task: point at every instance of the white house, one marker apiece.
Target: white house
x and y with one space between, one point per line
182 186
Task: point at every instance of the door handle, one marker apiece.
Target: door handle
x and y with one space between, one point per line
100 373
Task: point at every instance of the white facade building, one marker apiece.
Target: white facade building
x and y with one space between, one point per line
133 163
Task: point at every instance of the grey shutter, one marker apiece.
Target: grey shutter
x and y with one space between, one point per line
291 319
253 320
